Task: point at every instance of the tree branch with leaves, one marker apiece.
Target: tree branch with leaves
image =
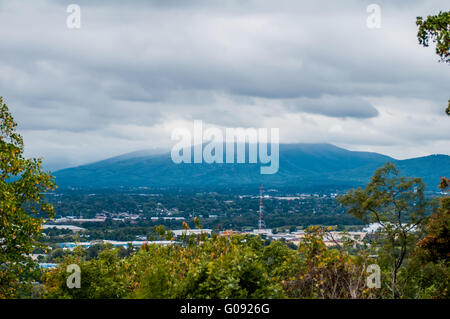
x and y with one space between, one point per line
437 29
398 204
22 206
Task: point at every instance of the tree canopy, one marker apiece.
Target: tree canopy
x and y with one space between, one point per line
395 202
22 206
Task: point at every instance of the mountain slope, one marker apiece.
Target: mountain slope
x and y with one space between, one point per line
301 166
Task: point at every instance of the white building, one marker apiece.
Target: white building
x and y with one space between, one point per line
70 227
180 232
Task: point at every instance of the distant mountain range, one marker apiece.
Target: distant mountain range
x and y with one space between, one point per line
302 167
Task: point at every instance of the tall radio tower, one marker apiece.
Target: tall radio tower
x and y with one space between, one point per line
261 223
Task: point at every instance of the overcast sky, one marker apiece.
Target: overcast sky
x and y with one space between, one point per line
132 73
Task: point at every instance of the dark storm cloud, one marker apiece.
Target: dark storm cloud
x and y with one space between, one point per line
335 107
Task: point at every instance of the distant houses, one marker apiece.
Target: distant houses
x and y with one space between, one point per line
114 243
331 238
166 218
79 220
69 227
188 232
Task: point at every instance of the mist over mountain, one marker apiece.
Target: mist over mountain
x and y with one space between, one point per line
301 166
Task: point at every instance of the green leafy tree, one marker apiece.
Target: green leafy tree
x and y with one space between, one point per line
429 270
398 204
437 29
327 272
436 243
433 248
237 274
22 206
103 277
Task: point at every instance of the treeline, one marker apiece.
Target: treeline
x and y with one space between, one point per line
238 266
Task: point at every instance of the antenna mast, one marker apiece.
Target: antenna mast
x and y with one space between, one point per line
261 223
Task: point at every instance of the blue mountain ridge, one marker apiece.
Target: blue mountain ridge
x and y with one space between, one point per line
301 166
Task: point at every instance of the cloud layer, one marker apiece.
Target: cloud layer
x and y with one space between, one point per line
133 73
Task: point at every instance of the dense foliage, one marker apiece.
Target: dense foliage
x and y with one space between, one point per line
437 29
395 202
243 266
22 181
